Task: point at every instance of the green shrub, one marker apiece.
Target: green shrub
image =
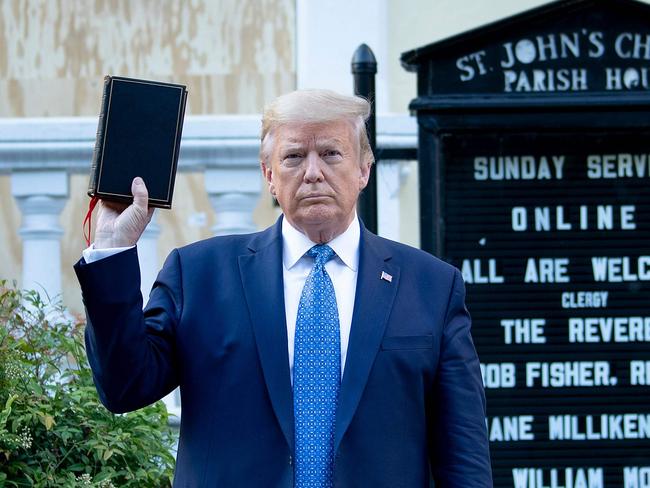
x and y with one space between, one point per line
53 430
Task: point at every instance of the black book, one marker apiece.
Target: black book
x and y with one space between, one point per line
138 134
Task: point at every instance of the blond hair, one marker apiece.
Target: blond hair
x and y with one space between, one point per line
315 107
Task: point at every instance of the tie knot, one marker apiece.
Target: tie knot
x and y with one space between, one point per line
321 254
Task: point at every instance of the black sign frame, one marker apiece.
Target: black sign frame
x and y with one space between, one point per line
450 110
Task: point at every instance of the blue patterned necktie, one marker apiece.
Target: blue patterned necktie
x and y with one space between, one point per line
316 375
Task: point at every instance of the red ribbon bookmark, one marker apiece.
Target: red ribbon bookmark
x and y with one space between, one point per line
89 214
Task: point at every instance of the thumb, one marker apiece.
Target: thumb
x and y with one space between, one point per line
140 193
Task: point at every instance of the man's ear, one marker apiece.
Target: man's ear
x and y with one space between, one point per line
364 174
267 172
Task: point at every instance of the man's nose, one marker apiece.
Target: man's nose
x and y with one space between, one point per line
313 169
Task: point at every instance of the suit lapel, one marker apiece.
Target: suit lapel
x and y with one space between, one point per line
261 274
373 303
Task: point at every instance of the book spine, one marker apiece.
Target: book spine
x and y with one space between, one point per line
179 134
99 139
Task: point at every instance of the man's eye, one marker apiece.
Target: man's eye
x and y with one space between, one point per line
293 158
332 153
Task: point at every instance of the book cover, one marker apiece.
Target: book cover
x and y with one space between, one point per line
138 134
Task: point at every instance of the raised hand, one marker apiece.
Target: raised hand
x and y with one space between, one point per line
121 225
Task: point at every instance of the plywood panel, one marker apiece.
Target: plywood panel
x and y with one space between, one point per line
232 54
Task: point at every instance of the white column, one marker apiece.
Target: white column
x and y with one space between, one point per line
328 33
148 257
390 179
233 193
394 132
41 196
388 185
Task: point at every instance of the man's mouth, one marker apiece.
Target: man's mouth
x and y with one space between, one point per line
314 196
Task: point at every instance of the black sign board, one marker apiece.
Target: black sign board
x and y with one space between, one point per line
538 190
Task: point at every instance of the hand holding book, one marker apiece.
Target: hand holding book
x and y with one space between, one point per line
138 135
121 225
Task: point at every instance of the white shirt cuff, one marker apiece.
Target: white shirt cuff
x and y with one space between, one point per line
91 254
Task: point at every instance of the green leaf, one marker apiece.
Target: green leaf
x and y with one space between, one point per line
48 421
6 411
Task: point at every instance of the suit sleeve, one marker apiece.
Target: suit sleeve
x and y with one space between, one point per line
132 352
460 456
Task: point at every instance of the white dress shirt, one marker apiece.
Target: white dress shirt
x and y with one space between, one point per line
342 269
91 254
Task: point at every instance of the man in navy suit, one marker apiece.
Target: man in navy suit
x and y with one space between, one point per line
222 318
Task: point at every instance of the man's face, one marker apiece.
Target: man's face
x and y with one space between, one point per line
316 175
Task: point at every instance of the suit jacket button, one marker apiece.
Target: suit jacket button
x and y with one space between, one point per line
290 460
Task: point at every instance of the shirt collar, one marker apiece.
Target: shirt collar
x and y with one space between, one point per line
346 246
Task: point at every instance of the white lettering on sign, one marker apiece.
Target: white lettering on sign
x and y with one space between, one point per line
584 299
631 78
523 331
558 478
547 270
498 375
474 272
598 427
529 64
507 429
621 269
632 46
636 477
542 48
546 219
565 374
623 165
548 80
468 65
639 373
518 168
596 44
609 329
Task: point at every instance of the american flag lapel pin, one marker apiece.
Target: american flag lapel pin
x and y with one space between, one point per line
386 276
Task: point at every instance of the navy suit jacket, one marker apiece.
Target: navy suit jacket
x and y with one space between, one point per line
411 404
